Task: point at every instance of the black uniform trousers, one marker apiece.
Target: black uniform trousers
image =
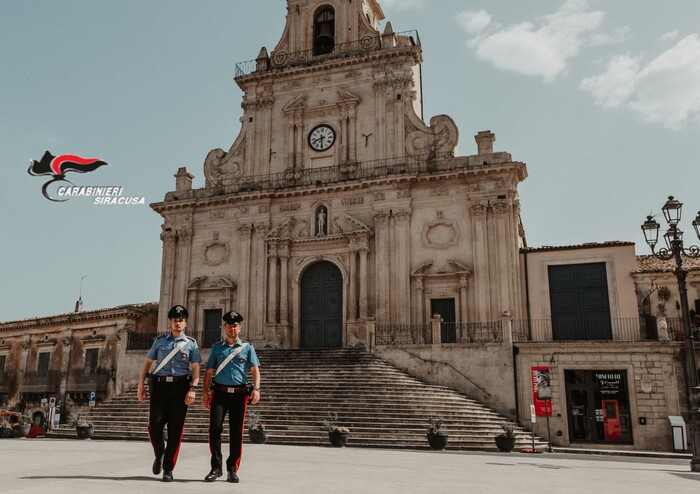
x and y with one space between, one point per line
235 404
167 407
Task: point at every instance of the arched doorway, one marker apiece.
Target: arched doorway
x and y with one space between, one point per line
322 306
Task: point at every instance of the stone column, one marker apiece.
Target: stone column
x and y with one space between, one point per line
383 266
258 292
244 232
403 283
480 247
283 254
167 278
436 329
364 251
352 138
352 290
272 284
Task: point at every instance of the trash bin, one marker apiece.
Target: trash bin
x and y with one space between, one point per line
679 435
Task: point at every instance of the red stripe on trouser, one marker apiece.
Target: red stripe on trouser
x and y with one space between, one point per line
177 451
240 451
211 399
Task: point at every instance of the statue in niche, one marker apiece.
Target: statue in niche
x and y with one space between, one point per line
321 221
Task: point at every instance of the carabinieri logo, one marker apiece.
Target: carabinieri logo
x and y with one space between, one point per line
58 166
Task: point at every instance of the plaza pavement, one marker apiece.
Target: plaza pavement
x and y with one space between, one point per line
106 467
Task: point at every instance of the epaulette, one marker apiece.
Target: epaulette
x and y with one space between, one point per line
190 338
164 335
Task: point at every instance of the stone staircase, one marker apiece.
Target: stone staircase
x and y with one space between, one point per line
382 406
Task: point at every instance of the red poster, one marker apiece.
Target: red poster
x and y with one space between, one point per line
540 377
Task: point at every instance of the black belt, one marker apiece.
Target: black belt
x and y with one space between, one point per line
170 379
243 388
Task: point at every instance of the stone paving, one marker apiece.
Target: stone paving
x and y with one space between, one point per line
106 467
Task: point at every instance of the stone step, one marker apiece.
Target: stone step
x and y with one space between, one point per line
382 406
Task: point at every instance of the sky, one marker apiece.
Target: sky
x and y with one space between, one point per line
600 99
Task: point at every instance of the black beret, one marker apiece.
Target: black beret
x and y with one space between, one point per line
178 312
232 317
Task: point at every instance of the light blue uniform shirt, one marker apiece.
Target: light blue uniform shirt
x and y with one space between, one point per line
234 374
179 365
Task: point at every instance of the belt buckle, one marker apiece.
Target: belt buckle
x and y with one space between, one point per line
169 379
229 389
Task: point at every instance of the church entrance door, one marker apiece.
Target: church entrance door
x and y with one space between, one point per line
322 306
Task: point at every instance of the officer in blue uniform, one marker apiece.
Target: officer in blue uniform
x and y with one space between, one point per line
172 389
230 393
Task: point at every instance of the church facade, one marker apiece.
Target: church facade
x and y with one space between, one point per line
338 208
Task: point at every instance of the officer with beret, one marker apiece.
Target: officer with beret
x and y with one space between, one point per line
230 393
172 388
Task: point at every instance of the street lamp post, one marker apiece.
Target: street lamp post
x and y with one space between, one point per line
675 250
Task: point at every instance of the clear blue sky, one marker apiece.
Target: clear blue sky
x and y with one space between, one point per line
600 99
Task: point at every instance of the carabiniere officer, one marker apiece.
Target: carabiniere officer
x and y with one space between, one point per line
226 371
172 389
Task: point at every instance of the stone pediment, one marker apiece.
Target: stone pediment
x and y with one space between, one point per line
450 268
296 103
210 283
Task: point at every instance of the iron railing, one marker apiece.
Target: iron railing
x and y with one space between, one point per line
33 382
624 329
421 334
80 382
140 341
282 59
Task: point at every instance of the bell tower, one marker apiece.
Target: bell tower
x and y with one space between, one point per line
333 92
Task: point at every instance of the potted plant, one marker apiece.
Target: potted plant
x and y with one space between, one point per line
256 428
337 434
21 429
437 433
84 429
505 442
5 427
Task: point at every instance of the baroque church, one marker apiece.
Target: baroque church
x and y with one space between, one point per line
339 207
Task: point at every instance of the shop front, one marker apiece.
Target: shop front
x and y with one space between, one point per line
598 407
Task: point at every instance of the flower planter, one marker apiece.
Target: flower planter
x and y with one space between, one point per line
338 439
505 444
5 432
437 441
257 436
85 432
21 430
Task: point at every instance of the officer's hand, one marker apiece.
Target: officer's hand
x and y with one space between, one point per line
142 394
255 397
189 398
205 399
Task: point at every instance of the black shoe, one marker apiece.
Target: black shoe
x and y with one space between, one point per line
167 476
232 477
213 475
157 466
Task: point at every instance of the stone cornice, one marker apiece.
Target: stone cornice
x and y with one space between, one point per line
75 317
214 196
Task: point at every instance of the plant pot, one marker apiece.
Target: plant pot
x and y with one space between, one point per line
338 439
437 441
257 436
85 431
21 430
505 444
5 432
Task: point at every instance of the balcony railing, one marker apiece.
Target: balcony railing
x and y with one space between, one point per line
624 329
40 383
84 383
282 59
140 341
421 334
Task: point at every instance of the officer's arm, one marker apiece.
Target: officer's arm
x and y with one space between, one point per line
205 389
141 393
195 374
255 397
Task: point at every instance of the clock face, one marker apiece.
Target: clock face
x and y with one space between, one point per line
321 137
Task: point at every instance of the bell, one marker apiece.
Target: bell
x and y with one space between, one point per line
325 34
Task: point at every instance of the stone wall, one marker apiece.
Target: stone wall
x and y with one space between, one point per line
482 372
652 382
